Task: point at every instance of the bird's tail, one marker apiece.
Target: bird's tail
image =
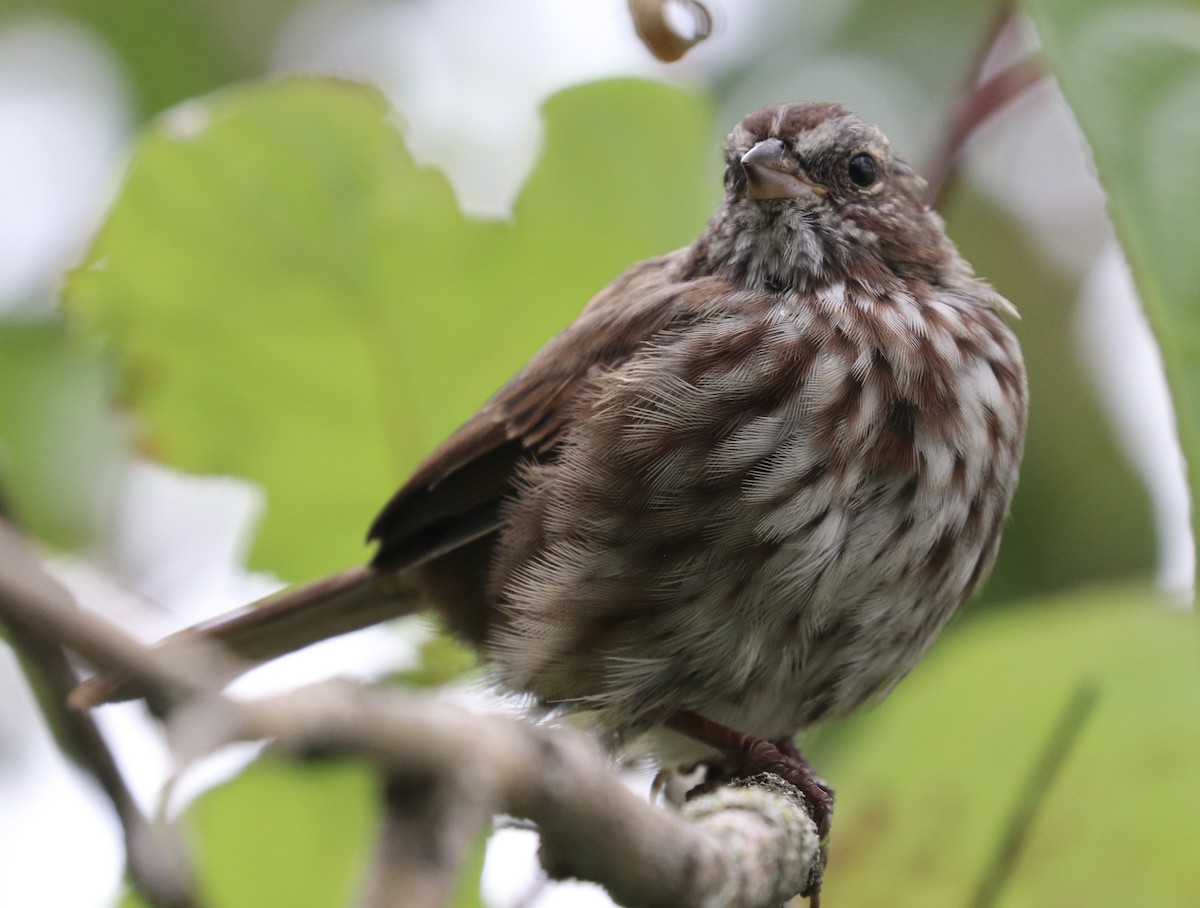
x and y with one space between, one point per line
279 624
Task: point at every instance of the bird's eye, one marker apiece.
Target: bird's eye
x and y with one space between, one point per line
863 170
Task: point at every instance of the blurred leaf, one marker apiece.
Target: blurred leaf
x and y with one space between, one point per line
1131 71
57 442
292 300
443 659
927 782
466 893
1081 514
930 41
131 899
170 51
176 50
281 834
900 65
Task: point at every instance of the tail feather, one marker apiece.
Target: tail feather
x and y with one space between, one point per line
279 624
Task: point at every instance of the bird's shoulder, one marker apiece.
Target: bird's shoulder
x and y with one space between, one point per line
454 495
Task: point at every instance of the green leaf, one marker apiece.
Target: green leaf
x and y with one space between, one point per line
58 448
466 891
1081 515
927 783
292 300
1131 71
281 834
443 660
172 51
130 898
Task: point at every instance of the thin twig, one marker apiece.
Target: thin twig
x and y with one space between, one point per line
982 104
428 828
980 101
1032 797
157 861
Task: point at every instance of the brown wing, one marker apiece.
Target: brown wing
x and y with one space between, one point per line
454 497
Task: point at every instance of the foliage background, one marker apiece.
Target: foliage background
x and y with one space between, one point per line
280 293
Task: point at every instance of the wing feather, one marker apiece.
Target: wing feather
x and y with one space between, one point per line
454 497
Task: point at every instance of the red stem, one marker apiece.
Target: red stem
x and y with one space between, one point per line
980 102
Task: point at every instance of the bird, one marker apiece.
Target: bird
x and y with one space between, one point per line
740 495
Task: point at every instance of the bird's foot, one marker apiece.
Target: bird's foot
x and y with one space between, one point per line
747 756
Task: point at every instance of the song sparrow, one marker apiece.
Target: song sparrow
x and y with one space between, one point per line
743 491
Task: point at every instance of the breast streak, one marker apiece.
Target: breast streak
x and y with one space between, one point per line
770 517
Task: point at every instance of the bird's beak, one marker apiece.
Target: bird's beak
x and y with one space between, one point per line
771 173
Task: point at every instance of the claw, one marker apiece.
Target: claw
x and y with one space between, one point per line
749 756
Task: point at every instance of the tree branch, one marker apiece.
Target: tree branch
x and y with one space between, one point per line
428 828
157 861
748 847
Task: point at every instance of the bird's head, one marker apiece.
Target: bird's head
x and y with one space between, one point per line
812 191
